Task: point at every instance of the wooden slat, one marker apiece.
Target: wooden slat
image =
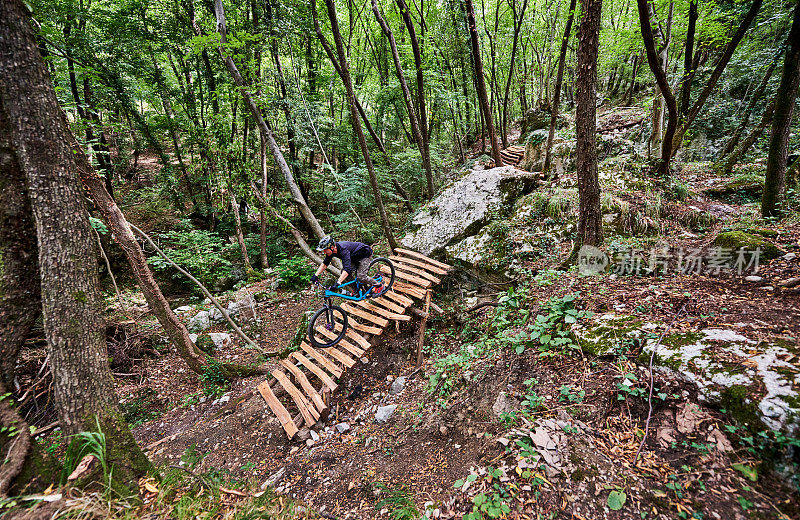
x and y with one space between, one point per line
321 359
417 272
416 292
340 356
305 384
388 304
358 338
399 298
366 329
343 342
278 409
317 371
409 277
377 320
389 315
417 263
307 410
419 256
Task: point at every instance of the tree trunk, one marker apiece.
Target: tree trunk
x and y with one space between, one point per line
239 233
744 145
754 99
420 105
688 69
661 80
590 222
517 27
554 108
480 84
658 103
711 84
266 132
775 180
82 382
263 230
344 73
416 130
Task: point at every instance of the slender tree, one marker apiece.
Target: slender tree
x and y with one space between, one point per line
590 222
562 56
775 180
480 83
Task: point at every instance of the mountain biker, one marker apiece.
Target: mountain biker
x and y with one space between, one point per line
355 257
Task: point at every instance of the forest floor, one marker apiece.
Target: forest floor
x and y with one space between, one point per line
475 425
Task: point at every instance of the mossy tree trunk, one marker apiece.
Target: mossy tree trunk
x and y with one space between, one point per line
775 181
82 382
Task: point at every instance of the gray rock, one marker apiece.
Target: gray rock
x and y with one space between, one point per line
753 278
184 309
245 307
384 413
220 339
215 315
789 256
342 427
398 385
314 435
200 322
464 207
504 404
791 282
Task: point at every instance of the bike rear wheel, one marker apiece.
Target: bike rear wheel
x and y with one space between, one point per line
327 327
382 271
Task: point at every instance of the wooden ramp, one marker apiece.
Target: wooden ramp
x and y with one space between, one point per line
290 390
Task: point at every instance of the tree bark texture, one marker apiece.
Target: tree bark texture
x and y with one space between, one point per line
20 291
82 382
775 180
590 222
744 145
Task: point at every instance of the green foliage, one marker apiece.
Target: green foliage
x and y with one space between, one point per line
293 272
493 503
143 407
88 443
616 500
398 501
550 331
214 378
199 252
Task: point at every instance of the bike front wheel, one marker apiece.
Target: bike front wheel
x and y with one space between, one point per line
382 271
327 327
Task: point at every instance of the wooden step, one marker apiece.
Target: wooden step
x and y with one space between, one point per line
307 410
417 272
408 277
377 320
321 359
420 256
398 298
389 315
305 384
430 267
342 342
278 409
410 290
317 371
386 303
366 329
340 356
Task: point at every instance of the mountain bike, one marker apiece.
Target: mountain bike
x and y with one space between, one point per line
329 324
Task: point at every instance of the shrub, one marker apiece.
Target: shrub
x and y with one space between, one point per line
293 272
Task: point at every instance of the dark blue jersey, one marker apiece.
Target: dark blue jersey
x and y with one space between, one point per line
350 253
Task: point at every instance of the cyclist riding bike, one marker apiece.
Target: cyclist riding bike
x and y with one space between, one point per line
355 257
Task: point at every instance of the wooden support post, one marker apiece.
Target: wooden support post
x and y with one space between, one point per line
422 327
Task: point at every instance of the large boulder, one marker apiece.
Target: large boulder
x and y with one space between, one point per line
465 207
736 240
562 155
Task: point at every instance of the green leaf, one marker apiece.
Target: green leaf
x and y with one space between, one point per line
748 471
479 499
616 499
472 477
458 483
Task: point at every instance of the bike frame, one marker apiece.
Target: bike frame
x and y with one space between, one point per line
355 298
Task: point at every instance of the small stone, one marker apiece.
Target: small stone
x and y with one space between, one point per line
314 435
791 282
753 278
389 378
443 430
342 427
309 442
224 399
398 385
768 288
384 413
364 360
789 256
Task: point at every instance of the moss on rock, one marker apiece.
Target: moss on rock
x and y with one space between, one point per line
740 240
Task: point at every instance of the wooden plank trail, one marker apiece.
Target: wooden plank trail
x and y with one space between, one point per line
415 275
